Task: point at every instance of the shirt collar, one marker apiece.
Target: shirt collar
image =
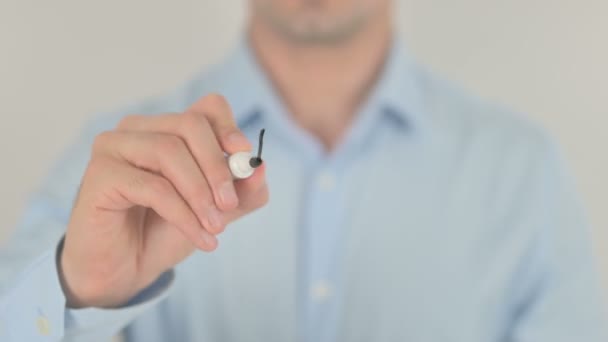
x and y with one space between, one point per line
250 93
398 93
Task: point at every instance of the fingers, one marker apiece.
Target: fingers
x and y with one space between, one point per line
209 129
189 150
217 110
127 186
166 155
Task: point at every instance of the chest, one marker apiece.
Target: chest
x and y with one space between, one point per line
400 247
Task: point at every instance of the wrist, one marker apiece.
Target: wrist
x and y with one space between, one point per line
72 300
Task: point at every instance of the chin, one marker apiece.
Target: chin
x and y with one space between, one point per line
315 21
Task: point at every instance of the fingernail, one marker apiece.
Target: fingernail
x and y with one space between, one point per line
209 239
227 194
215 218
238 140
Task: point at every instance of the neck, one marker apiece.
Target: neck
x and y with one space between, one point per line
323 85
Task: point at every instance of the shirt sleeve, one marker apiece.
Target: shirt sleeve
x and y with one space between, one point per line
562 300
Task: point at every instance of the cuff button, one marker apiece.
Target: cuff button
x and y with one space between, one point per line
43 325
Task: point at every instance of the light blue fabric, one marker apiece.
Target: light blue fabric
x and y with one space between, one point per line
439 217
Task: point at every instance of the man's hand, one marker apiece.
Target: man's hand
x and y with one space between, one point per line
156 188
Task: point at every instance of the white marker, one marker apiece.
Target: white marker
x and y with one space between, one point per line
243 164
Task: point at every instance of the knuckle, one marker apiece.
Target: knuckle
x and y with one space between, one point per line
129 121
102 140
201 195
137 182
100 165
160 187
216 100
169 144
187 224
192 121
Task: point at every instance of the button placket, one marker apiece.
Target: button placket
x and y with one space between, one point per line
326 181
321 291
323 220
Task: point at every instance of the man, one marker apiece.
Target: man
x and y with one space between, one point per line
400 210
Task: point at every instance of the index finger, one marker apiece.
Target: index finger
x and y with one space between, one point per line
219 114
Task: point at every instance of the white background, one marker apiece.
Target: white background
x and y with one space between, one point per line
62 61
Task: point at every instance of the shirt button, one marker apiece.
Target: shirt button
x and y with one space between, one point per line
43 325
321 291
326 181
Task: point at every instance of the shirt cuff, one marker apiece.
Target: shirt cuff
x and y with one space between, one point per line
82 323
35 308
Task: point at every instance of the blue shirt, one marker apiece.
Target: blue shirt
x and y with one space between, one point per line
439 217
